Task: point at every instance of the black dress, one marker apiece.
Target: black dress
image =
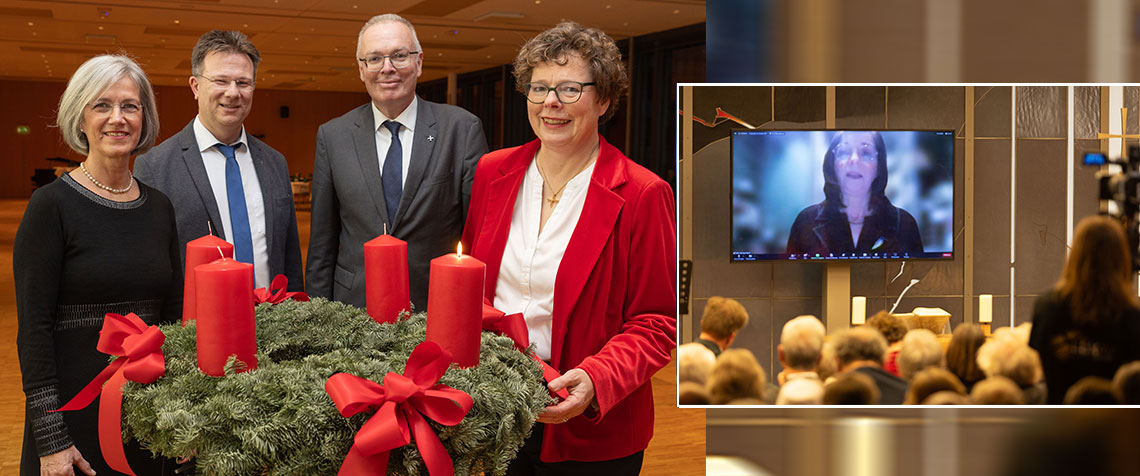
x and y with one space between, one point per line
824 229
78 256
1070 352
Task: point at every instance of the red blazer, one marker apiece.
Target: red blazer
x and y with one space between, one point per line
615 301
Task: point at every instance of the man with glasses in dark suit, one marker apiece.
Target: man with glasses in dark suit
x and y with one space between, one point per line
398 164
221 180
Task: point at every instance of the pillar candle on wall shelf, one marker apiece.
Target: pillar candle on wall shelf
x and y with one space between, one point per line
986 308
858 310
225 322
386 278
198 252
455 306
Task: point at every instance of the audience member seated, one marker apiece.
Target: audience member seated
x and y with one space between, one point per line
801 391
1091 390
920 350
1007 355
827 364
962 354
694 362
721 321
1126 384
692 393
736 378
997 390
1089 323
947 397
893 329
799 350
861 350
852 388
929 381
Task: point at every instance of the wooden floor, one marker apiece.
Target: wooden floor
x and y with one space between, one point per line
678 446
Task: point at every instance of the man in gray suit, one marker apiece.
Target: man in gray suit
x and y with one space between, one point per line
220 179
399 163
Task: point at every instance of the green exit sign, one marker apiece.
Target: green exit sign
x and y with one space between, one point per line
23 130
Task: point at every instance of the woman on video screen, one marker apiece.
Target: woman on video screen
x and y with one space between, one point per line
855 216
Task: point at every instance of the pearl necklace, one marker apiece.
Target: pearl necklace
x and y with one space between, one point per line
82 165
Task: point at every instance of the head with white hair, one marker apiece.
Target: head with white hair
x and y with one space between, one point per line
801 342
920 350
802 391
694 362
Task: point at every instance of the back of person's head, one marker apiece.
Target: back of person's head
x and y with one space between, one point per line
962 353
920 350
889 325
930 381
1097 278
692 393
851 388
801 391
859 344
1126 383
736 375
694 362
997 391
723 317
1091 390
801 342
947 397
827 367
1006 355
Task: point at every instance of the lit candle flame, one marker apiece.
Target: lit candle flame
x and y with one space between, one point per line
459 250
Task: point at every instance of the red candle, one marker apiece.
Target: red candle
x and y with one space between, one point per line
386 278
225 315
200 251
455 306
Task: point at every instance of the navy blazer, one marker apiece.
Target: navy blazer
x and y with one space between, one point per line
823 229
175 168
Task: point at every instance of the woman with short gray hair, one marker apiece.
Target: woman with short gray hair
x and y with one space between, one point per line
96 241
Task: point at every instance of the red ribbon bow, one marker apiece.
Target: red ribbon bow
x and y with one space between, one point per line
401 404
514 326
276 293
139 348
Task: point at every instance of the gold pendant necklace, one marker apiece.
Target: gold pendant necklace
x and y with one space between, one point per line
554 196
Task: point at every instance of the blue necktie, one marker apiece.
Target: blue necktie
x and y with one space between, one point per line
239 216
390 177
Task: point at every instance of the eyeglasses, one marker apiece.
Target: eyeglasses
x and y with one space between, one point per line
104 108
567 92
243 84
865 152
399 59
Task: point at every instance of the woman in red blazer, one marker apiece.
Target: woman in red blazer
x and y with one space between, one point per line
582 241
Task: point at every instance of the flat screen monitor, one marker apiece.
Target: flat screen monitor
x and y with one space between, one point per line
807 195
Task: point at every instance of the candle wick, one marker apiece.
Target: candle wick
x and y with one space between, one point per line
385 228
220 252
210 226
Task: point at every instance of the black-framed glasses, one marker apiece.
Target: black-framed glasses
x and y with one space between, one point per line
399 59
104 108
865 152
567 92
243 84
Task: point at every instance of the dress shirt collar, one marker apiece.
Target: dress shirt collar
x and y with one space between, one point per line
406 118
206 139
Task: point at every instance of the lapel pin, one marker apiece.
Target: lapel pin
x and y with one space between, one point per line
431 138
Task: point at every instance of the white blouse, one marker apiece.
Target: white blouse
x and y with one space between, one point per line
531 260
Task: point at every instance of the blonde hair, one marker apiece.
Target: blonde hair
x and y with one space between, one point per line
737 375
92 79
723 317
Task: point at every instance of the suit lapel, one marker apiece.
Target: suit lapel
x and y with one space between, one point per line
595 226
501 196
364 139
197 170
422 148
266 179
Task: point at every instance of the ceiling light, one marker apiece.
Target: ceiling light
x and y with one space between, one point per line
177 22
31 24
500 16
676 12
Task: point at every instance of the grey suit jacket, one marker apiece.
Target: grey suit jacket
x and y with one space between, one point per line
175 168
348 205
